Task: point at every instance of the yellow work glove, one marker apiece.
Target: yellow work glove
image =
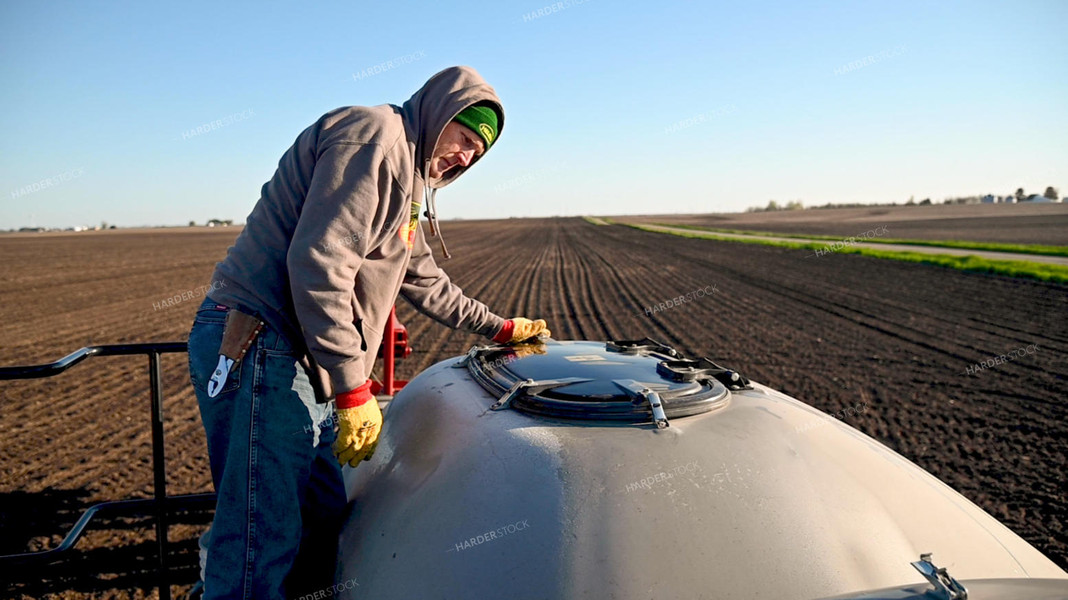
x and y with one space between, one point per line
525 350
359 423
518 329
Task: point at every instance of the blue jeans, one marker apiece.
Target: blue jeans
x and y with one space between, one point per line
280 491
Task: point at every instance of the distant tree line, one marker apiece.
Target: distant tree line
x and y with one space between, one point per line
1019 195
775 206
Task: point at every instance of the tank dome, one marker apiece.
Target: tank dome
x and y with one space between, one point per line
536 471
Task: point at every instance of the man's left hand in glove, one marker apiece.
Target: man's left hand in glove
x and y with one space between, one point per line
359 423
519 329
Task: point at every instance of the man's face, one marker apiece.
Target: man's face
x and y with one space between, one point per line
457 145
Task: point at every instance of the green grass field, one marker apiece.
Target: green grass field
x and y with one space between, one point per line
1011 268
959 244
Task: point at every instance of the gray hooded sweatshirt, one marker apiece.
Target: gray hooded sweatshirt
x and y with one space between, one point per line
334 238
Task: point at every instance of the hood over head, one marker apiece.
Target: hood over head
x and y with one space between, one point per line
441 98
426 114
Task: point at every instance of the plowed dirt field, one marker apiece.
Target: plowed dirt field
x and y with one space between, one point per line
834 331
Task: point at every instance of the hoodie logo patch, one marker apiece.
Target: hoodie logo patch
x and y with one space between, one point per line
487 131
406 232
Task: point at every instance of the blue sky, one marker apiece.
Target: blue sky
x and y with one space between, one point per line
612 107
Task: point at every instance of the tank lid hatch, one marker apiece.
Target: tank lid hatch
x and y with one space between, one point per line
598 380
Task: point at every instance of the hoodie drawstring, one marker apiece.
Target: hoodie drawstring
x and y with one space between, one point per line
432 210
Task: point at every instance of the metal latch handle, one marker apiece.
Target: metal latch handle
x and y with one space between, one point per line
641 391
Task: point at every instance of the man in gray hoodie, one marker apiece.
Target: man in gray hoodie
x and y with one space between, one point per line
303 296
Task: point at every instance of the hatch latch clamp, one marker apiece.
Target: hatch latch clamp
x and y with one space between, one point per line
640 391
530 386
945 586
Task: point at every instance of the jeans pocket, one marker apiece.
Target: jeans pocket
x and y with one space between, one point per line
204 340
286 392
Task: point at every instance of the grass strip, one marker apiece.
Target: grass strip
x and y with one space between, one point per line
958 244
1010 268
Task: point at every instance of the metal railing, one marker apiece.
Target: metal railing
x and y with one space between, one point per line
160 505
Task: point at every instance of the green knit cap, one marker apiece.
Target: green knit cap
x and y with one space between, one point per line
482 120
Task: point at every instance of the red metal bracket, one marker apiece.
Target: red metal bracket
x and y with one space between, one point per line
394 346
